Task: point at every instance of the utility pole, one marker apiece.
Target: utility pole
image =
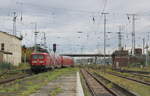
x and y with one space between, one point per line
133 32
147 46
35 46
148 38
143 45
14 23
44 37
35 38
119 39
105 21
146 63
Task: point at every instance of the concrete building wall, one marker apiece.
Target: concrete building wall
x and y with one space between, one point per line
12 45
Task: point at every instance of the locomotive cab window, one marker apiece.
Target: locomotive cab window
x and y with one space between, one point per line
41 57
37 56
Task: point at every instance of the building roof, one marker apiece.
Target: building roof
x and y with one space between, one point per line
120 53
19 38
5 52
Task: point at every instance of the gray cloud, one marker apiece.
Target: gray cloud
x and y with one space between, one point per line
64 18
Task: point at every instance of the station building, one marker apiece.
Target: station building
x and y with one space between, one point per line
10 48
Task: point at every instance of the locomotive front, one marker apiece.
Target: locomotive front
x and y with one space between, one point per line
38 62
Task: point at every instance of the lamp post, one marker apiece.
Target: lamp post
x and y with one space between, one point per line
80 32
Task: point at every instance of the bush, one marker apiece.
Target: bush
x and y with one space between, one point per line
6 66
23 65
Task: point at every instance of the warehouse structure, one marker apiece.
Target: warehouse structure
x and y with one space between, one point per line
10 48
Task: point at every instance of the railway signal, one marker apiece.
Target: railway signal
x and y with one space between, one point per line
54 47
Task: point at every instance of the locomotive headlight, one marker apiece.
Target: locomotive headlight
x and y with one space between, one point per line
41 61
34 61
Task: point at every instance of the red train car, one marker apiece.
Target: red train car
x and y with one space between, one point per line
57 61
43 61
67 61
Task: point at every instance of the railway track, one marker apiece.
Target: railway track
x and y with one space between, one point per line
143 75
27 73
14 75
129 78
131 71
95 86
14 78
15 72
3 73
114 89
137 73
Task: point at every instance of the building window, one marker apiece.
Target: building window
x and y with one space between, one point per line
2 47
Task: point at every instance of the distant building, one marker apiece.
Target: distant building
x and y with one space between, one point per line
138 51
121 58
10 48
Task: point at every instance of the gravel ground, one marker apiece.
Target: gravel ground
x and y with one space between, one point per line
66 85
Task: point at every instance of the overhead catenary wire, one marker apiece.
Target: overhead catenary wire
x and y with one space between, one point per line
73 12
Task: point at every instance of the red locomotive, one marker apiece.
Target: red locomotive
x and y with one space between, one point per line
43 61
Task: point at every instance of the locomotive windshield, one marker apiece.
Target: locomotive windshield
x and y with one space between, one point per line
37 56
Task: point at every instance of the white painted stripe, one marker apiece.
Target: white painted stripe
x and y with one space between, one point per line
79 88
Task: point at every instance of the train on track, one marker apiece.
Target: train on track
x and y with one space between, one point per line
44 61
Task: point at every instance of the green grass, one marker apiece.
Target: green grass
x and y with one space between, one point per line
85 89
133 76
23 66
138 68
6 66
141 89
55 92
29 85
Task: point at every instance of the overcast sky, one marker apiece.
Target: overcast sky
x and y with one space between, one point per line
69 23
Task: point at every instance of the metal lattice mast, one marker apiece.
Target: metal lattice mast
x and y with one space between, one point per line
105 22
133 32
119 39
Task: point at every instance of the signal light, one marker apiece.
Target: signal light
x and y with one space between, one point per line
54 47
